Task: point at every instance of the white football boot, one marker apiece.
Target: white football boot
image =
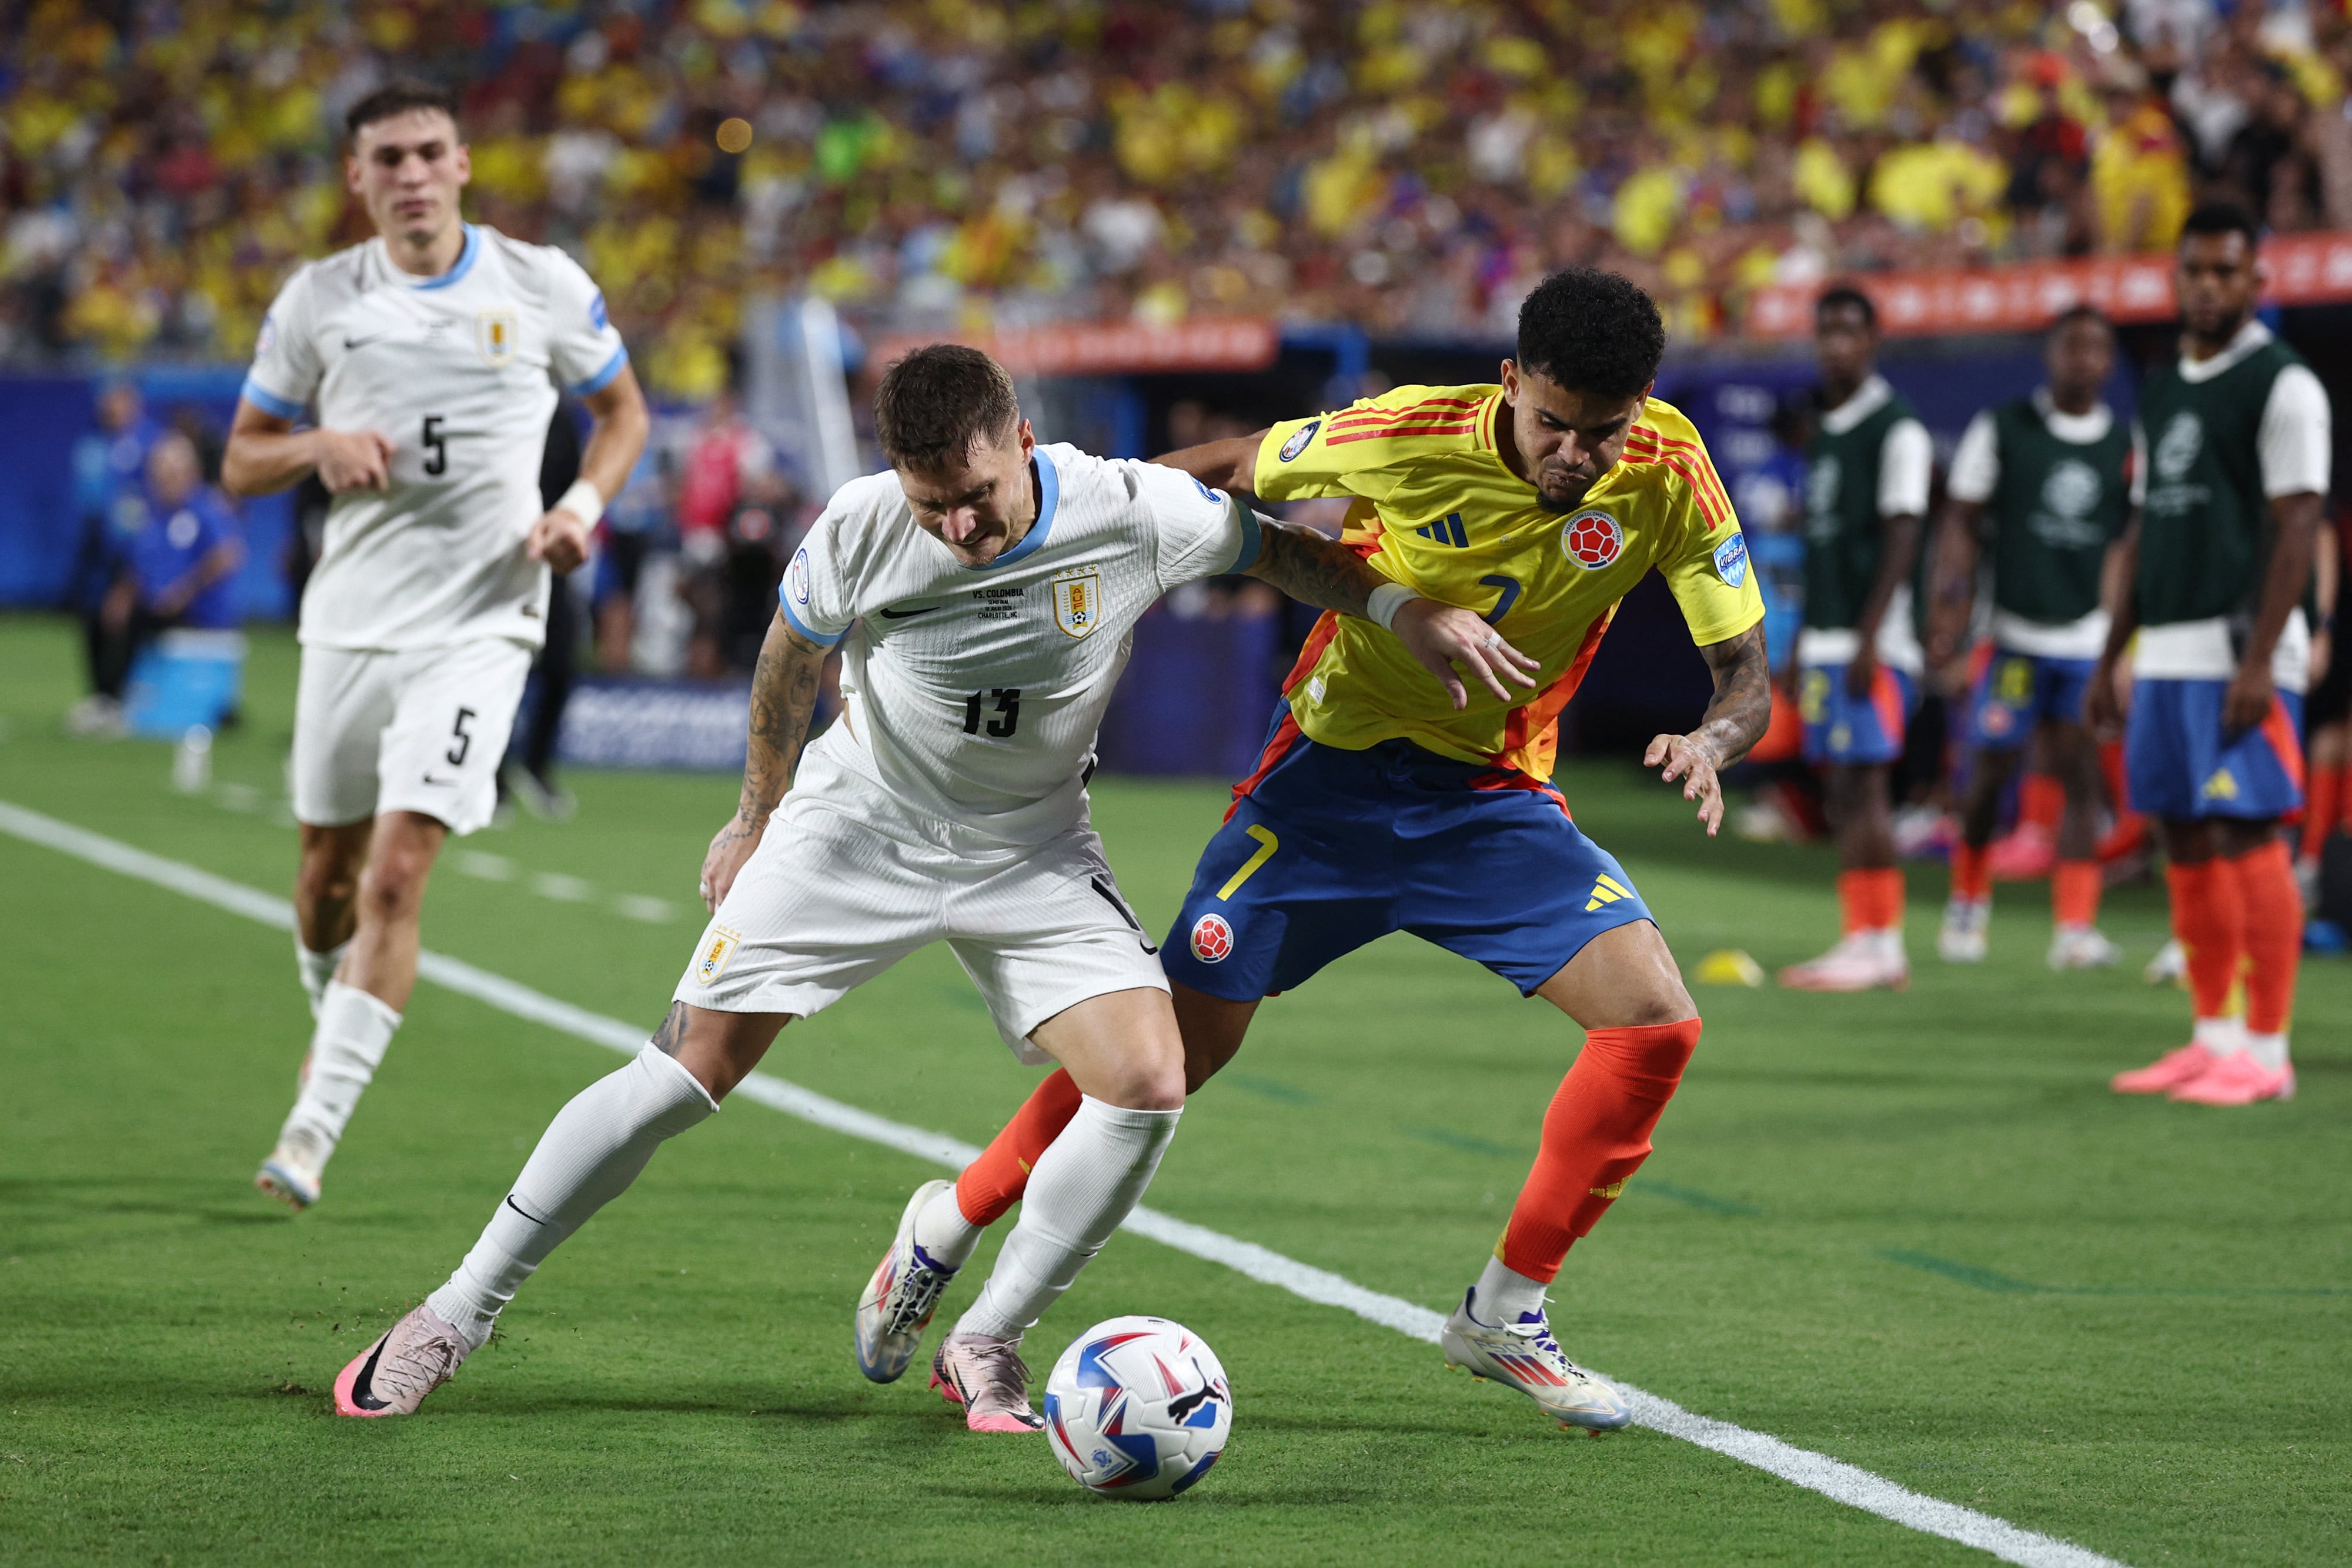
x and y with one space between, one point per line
295 1168
2171 962
1525 1356
2081 947
1963 938
901 1297
392 1376
1861 961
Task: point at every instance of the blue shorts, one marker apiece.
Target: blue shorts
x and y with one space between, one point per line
2015 692
2179 765
1327 850
1839 728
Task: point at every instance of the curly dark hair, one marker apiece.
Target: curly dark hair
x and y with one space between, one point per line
936 401
2222 218
1592 331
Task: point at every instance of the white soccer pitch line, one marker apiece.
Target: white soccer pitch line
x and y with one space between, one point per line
1833 1479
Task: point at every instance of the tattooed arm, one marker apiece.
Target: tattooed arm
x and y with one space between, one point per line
1317 569
1733 721
783 697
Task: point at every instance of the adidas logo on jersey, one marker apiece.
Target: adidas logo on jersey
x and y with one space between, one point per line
1446 531
1607 890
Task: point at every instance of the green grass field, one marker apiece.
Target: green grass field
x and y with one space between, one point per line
1914 1232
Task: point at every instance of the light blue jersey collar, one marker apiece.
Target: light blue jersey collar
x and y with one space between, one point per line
1049 491
463 264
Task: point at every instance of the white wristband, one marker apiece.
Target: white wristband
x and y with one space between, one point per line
583 501
1385 601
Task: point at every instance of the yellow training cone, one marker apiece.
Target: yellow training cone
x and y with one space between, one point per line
1729 966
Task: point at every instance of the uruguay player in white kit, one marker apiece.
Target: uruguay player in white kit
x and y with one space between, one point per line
431 356
984 595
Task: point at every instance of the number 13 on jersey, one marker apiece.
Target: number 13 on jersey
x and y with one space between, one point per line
1007 711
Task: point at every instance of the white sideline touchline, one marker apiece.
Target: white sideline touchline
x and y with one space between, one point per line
1832 1477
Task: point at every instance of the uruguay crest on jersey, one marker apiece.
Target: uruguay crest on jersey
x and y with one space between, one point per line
494 335
1077 602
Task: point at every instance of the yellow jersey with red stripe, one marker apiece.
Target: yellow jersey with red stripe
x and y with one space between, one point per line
1439 510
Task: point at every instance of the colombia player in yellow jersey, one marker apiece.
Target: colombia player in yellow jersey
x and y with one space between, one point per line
1390 800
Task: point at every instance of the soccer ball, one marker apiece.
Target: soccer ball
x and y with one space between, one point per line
1138 1408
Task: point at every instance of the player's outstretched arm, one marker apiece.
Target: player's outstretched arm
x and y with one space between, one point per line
784 698
1230 465
616 436
266 453
1733 721
1317 569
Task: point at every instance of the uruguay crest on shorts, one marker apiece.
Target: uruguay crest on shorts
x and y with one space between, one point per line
494 335
1077 602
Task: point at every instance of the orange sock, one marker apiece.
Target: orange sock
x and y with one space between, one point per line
1885 906
1596 1134
1971 873
2208 915
2131 828
2274 927
2321 810
2075 893
1854 891
994 1182
2041 799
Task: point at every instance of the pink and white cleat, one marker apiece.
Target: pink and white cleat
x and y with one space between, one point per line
989 1379
2166 1072
392 1375
1861 961
2237 1079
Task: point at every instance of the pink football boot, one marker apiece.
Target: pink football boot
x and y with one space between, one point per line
2238 1079
2166 1072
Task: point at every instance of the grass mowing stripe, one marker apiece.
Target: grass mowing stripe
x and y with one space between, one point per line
1833 1479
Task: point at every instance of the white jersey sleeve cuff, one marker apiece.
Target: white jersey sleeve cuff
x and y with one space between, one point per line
268 402
1253 535
825 639
603 377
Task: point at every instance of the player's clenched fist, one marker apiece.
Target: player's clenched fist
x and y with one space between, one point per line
354 460
1442 636
559 539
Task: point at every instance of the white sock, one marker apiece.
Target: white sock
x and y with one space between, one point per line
355 1030
316 969
588 1155
946 1237
1505 1295
2270 1050
1886 942
2221 1036
1084 1185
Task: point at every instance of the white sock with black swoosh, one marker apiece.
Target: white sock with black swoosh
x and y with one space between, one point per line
587 1157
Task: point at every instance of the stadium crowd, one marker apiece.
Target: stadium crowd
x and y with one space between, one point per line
1412 166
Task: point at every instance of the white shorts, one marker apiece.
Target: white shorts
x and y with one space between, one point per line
846 883
423 731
